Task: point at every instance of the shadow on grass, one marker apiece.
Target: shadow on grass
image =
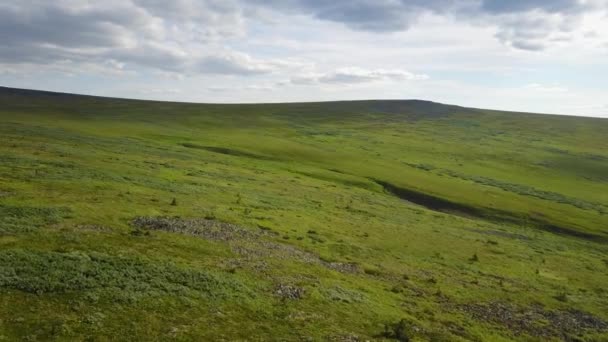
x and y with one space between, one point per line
446 206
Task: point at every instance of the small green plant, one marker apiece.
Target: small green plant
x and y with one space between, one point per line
562 297
397 331
372 270
397 289
140 232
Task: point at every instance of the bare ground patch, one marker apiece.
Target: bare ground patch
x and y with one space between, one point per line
535 320
207 229
287 291
251 245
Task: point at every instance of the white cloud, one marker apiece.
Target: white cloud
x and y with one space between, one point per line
155 91
233 64
355 75
545 89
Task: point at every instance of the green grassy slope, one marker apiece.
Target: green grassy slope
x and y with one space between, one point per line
313 221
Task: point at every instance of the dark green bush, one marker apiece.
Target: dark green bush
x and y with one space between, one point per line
52 272
398 331
14 219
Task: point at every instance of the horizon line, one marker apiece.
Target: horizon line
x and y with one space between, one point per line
293 102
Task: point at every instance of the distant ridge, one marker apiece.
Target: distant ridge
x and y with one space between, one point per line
415 108
380 105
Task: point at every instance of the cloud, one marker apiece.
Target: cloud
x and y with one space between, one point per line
155 91
194 37
522 24
536 30
512 6
232 89
545 88
234 64
355 75
366 15
171 36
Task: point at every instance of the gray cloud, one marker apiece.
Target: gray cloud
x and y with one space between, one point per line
366 15
186 36
233 64
39 23
523 24
172 36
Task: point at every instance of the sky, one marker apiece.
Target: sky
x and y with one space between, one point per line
547 56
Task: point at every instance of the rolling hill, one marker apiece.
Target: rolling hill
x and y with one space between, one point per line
346 221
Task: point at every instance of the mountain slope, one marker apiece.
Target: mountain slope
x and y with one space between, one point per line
298 221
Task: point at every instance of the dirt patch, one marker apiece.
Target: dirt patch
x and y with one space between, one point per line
535 320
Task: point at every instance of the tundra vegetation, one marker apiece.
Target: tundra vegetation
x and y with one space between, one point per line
343 221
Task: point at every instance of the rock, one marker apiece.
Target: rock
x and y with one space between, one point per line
285 291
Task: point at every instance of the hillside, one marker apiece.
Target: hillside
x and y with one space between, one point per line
345 221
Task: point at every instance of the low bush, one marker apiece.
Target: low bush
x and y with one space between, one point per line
15 219
53 272
398 331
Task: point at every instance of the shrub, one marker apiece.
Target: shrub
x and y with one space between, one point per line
97 274
397 289
397 331
341 294
15 219
562 297
474 258
371 270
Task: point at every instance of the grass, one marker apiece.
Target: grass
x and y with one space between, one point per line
99 274
376 219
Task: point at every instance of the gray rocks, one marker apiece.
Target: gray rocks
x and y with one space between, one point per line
251 245
292 292
208 229
535 320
